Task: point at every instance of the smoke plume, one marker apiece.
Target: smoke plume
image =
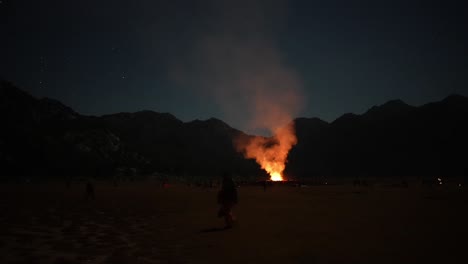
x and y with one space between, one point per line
237 62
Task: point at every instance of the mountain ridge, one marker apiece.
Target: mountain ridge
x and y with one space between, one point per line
46 137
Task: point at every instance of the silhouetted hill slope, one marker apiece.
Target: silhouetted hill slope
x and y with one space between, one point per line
393 108
393 139
197 147
44 137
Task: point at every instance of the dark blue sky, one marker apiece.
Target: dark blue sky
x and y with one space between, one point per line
105 56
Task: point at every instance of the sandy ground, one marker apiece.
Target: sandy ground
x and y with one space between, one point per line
141 223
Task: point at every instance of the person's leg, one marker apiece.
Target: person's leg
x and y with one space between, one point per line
221 212
229 218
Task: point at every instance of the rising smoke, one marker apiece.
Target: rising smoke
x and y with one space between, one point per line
237 62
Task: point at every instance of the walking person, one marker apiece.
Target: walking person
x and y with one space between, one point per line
89 191
227 198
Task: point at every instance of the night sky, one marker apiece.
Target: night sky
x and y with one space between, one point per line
106 56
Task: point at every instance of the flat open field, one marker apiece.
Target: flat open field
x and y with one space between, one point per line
141 223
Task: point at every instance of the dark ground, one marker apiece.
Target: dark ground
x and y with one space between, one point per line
141 223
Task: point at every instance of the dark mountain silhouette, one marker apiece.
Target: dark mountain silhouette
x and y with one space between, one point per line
393 139
388 110
43 137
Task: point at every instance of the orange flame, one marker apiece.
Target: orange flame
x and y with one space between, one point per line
271 153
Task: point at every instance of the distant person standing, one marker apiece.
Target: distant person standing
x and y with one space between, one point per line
68 182
89 191
227 198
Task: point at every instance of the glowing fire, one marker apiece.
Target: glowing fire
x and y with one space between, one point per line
271 153
276 176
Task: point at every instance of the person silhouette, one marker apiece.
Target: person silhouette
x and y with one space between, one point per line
227 198
89 191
